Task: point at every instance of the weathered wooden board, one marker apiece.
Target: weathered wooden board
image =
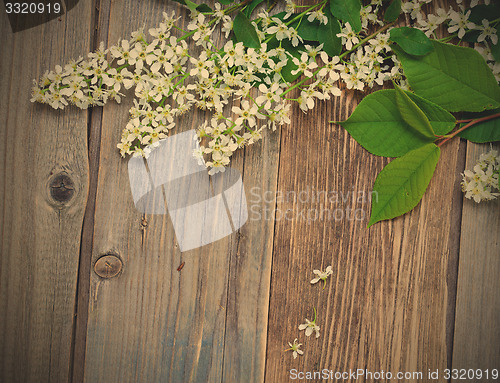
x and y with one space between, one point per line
390 304
477 326
250 268
41 219
385 306
152 322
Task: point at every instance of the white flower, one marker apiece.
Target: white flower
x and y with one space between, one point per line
160 34
429 25
313 51
201 65
351 78
349 37
218 12
474 3
159 59
280 29
247 113
295 347
304 65
317 15
99 54
169 21
487 31
310 326
460 22
289 8
412 7
138 56
227 25
322 275
481 183
56 100
75 84
484 51
368 16
495 68
330 67
269 95
216 167
121 52
254 135
443 15
327 87
381 42
294 37
233 52
57 75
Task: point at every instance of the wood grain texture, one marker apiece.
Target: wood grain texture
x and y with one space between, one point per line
153 322
477 328
100 27
389 305
250 265
40 237
385 306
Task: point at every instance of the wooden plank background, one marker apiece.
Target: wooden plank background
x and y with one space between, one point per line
416 293
40 235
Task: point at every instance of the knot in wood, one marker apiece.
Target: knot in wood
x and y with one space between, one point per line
62 188
108 266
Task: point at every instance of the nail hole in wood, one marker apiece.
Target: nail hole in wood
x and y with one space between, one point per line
108 266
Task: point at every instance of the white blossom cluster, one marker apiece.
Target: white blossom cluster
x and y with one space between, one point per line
481 183
169 79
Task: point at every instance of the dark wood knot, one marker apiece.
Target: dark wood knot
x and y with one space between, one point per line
62 188
108 266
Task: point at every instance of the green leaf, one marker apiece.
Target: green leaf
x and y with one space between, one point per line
349 11
281 15
495 51
225 2
192 6
456 78
399 187
442 121
203 8
471 36
327 35
245 31
412 114
309 30
393 11
413 41
286 72
250 7
488 12
377 126
487 131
